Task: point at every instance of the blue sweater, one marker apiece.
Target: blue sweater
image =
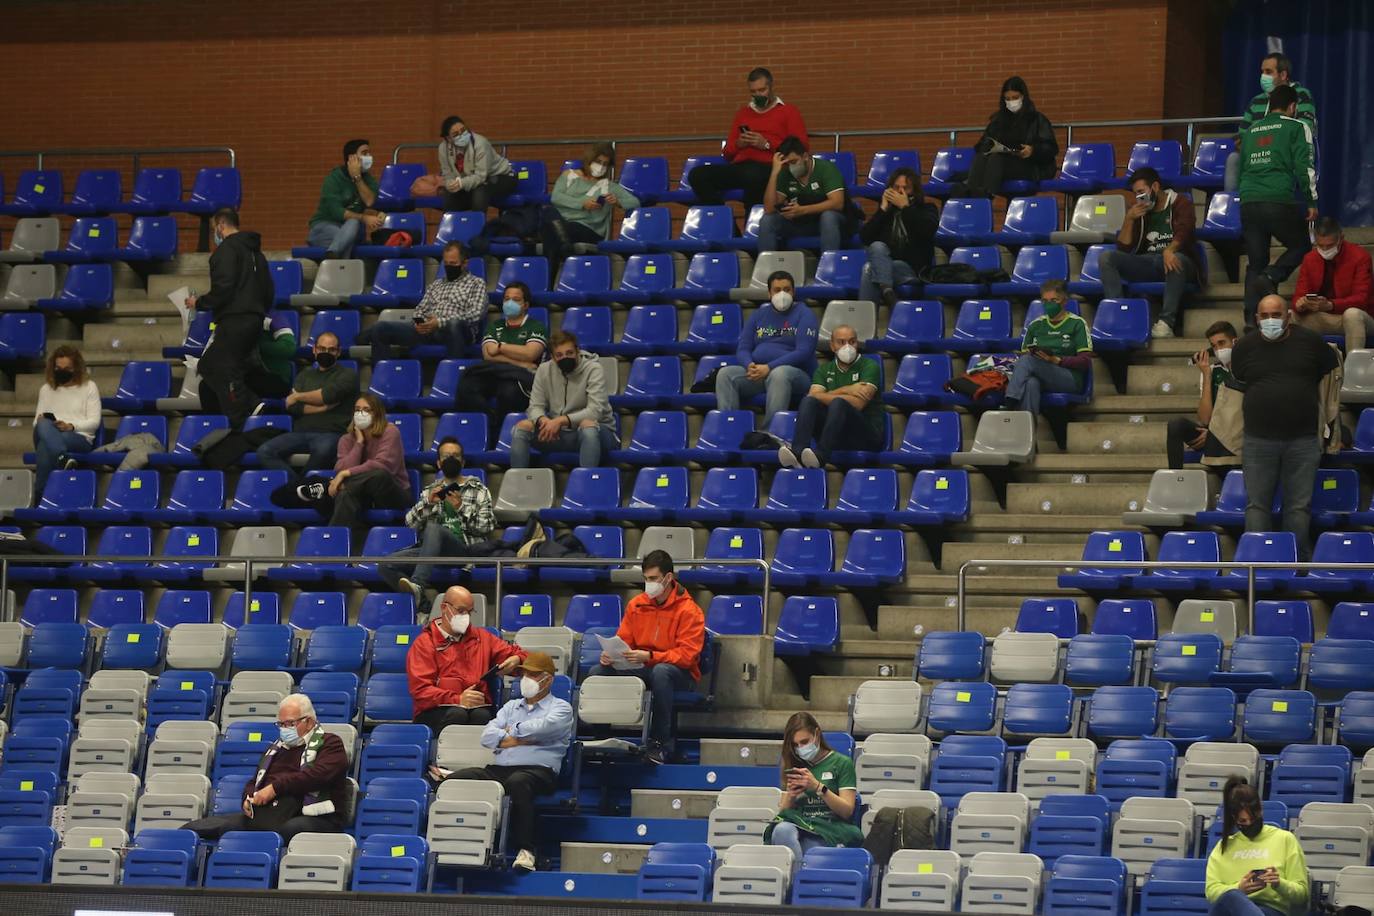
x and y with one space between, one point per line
776 338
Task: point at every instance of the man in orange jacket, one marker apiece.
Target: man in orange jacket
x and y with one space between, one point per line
665 630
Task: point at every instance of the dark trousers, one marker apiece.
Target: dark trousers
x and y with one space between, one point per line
1183 430
480 197
989 170
1292 463
224 366
837 425
560 235
663 680
216 826
510 390
441 717
393 339
523 785
1258 223
368 490
710 182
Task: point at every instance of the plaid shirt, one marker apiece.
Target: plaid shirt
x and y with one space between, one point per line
464 299
475 519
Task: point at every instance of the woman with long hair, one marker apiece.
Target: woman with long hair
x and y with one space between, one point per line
819 792
67 415
1256 869
583 203
1017 145
370 472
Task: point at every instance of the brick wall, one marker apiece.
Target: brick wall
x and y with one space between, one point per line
286 85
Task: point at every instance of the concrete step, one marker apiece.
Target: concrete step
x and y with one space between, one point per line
957 554
718 752
1164 379
861 655
832 693
1197 319
993 521
1111 407
1130 467
129 339
159 285
1117 438
770 720
1095 499
673 803
603 858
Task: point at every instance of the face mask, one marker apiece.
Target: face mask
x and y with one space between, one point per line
289 737
782 300
598 169
325 360
63 376
219 239
1224 356
847 354
1052 308
653 589
451 466
1266 83
1271 328
529 687
365 162
1147 198
1014 105
362 419
798 168
759 100
453 271
1252 829
567 364
457 624
808 751
1329 254
461 139
511 309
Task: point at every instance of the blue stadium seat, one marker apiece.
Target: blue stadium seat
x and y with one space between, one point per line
1034 265
951 656
38 193
26 849
443 387
399 283
152 238
161 858
342 323
1275 717
833 877
1354 724
92 238
914 325
937 498
68 539
645 176
676 871
1200 714
1338 547
1069 827
1261 661
1335 495
580 279
880 169
586 611
86 286
920 380
185 542
1123 712
702 228
1119 546
1048 615
1175 887
1181 546
795 496
132 645
263 608
1028 221
318 609
722 434
131 495
213 189
1351 620
981 258
602 542
1311 773
1135 767
714 328
642 230
802 554
531 184
962 706
951 164
846 163
591 324
982 325
588 495
729 543
1164 156
532 271
238 752
109 606
1341 664
1087 167
866 496
140 385
725 494
1209 164
658 494
118 541
1038 709
244 859
288 279
334 693
1086 884
875 557
648 329
387 699
315 541
1099 660
49 605
1285 618
525 610
188 699
193 429
1262 546
57 645
182 606
653 381
710 277
807 625
261 647
733 615
646 277
22 336
1186 658
154 425
968 763
381 609
390 646
336 648
412 224
395 381
391 863
455 226
393 188
201 496
964 221
1222 222
1089 282
838 274
1121 324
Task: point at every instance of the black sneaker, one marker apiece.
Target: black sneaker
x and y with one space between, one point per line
66 462
655 753
889 296
312 492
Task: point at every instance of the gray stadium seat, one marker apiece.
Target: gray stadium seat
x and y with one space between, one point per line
1096 219
1003 437
317 862
1053 766
999 882
30 238
1354 887
464 819
1334 836
16 490
989 822
1195 615
886 706
1173 499
337 279
197 646
859 314
922 880
524 491
1206 766
27 284
1018 657
1357 385
1150 829
252 541
765 264
750 874
890 761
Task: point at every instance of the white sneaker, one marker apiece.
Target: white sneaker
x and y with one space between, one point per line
524 861
809 459
787 458
1161 330
415 589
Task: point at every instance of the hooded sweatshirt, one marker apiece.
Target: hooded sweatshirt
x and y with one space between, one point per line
579 395
480 162
1182 221
240 280
1273 847
673 632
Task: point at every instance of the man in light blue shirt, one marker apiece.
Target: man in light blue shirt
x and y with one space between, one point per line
529 738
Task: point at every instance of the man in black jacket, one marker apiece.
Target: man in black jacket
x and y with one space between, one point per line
899 238
240 293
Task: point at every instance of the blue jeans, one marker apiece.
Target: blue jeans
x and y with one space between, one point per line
435 541
339 238
51 444
1267 463
1117 266
392 339
882 272
590 443
799 841
1033 376
663 680
783 387
774 229
833 426
1236 903
323 448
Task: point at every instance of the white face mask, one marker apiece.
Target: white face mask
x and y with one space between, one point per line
654 589
1014 105
782 300
365 162
1329 254
1271 328
289 736
1224 356
362 419
847 354
460 139
798 168
529 687
597 169
808 752
458 624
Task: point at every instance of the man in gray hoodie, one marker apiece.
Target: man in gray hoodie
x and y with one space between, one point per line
569 408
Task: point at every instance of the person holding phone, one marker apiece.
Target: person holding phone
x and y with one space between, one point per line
1256 869
819 792
1017 145
1335 292
758 128
449 314
1058 352
585 201
67 414
1214 371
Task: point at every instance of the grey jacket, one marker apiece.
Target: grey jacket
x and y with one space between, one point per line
481 163
137 448
580 395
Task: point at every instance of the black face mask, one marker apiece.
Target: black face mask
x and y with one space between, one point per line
567 364
325 360
453 271
451 466
63 376
1253 829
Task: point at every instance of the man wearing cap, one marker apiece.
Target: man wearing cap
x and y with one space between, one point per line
529 736
449 662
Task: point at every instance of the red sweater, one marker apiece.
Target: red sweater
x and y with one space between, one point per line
439 671
776 124
1352 284
376 453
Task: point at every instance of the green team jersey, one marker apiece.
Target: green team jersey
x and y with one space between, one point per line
824 179
1259 107
1275 159
1067 338
528 330
830 376
835 771
1159 230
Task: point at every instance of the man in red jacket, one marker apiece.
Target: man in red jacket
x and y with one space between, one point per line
1335 293
759 127
665 630
449 662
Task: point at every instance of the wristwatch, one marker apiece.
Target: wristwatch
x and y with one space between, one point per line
825 790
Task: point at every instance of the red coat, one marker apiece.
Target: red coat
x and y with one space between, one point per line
439 671
1353 286
776 124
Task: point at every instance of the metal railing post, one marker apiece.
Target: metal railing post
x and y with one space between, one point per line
1250 597
5 584
959 616
247 588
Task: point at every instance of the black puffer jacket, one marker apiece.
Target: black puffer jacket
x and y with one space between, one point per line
240 280
1027 127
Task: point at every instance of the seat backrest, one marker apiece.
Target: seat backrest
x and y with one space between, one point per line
1018 657
1207 616
1098 212
1005 432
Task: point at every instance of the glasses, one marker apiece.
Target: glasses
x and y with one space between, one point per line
334 350
290 723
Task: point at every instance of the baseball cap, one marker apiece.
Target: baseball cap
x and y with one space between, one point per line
537 663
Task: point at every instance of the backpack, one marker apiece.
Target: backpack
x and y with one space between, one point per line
978 384
899 828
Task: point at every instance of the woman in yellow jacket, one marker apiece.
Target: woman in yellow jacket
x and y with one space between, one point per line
1257 869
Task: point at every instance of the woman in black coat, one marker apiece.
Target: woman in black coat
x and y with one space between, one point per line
1017 145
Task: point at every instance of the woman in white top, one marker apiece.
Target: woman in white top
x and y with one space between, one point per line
68 412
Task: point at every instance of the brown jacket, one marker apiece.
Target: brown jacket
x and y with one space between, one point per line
1184 221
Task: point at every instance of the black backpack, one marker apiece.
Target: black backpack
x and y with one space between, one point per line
961 273
899 828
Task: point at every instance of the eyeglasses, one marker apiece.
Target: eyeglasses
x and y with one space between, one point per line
334 350
290 723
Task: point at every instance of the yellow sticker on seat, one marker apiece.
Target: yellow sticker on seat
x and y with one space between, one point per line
1190 650
737 541
1062 755
717 319
97 842
193 540
1280 706
924 868
39 188
397 851
254 606
95 232
1114 546
942 483
526 609
523 174
662 480
402 639
1099 209
188 685
134 637
985 315
136 483
963 696
1207 616
255 736
402 273
1329 483
26 785
651 268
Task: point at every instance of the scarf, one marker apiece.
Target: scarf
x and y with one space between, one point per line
313 742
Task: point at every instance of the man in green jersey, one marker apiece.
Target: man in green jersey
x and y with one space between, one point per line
804 196
1057 353
842 410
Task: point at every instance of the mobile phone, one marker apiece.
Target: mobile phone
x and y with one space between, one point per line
601 199
417 319
743 128
1256 872
50 416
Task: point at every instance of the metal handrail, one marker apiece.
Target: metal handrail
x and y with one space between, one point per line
135 152
261 562
1249 568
